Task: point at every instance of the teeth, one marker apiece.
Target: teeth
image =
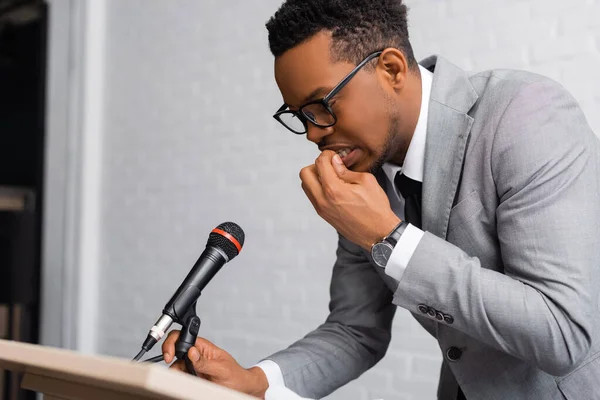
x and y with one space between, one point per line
344 152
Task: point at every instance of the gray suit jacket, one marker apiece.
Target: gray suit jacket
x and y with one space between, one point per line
510 257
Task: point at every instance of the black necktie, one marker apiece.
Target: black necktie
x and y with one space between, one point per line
411 191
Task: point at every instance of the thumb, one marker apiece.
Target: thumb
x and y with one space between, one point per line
202 365
342 172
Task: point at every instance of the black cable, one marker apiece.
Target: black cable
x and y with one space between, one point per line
154 359
139 355
148 344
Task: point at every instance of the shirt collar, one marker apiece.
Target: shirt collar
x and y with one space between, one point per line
415 156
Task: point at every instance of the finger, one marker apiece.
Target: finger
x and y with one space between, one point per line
168 346
207 348
311 185
178 365
325 169
309 195
344 173
306 171
310 180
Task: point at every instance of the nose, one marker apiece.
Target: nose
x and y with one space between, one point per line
316 134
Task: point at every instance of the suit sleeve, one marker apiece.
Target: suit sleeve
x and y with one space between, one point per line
355 335
545 164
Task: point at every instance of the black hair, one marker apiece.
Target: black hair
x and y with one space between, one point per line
358 27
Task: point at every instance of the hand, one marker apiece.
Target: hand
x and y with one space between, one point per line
216 365
352 202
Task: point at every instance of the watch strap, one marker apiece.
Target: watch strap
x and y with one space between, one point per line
396 234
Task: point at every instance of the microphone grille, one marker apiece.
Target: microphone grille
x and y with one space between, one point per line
228 237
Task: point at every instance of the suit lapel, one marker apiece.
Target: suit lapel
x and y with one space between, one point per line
448 128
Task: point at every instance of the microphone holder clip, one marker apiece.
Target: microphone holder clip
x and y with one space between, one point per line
190 325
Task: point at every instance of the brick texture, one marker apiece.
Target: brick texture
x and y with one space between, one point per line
190 142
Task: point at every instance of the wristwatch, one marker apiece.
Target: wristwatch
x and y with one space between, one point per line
382 251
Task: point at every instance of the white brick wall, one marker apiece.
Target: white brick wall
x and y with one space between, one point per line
189 142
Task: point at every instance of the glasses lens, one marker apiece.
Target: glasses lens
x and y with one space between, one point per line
318 114
293 122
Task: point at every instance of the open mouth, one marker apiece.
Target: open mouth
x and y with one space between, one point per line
349 155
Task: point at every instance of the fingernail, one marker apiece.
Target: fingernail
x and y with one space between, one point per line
166 357
337 159
193 354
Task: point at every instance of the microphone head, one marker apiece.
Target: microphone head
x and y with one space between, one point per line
228 237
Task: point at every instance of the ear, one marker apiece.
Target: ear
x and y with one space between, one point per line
393 69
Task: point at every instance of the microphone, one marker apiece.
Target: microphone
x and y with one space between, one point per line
224 243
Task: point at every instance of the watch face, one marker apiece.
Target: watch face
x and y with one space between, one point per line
381 253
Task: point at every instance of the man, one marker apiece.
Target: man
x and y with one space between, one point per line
471 200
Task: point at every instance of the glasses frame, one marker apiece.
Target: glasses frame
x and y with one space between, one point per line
304 117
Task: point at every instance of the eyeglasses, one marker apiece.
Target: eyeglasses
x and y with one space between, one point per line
317 112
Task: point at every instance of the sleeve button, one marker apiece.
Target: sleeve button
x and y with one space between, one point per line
454 354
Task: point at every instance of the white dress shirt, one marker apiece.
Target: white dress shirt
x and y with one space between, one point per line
413 168
406 246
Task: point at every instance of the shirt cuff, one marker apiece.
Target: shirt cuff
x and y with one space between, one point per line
403 251
272 372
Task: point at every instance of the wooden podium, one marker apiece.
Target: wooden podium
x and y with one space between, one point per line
66 375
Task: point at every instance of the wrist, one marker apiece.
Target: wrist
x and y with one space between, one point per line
381 252
258 382
385 228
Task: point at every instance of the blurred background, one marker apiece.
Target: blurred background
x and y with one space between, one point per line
130 128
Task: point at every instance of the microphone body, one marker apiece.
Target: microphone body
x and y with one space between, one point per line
209 263
224 243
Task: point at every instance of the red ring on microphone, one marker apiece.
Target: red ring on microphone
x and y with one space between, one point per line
230 238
